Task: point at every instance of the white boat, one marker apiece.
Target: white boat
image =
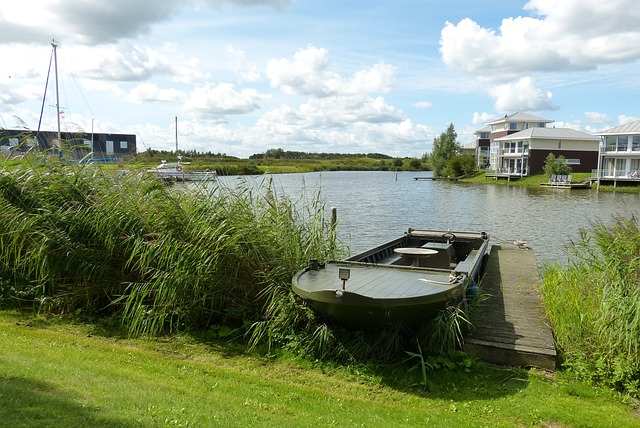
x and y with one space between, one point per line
175 171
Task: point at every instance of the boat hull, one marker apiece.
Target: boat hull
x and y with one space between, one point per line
397 282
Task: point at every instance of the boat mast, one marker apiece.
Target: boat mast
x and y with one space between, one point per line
176 135
55 62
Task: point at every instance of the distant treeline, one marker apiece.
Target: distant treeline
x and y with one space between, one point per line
187 153
285 154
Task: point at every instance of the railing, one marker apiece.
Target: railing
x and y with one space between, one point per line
506 172
616 173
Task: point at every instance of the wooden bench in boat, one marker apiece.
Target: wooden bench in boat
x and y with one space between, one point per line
467 264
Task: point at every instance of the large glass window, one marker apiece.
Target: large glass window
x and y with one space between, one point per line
513 126
622 143
611 142
635 146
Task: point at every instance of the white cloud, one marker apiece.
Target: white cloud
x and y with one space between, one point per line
211 101
597 117
483 118
624 119
100 22
572 34
308 74
521 96
238 62
422 104
151 92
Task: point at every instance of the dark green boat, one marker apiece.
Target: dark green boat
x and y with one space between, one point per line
408 279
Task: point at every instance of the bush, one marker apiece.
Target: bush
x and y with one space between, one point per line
556 165
461 165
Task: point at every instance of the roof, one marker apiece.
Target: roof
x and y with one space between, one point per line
628 129
520 117
469 146
485 129
550 133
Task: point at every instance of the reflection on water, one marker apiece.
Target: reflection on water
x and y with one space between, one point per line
376 206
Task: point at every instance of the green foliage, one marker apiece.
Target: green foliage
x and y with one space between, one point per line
594 305
445 147
160 259
415 164
460 165
556 165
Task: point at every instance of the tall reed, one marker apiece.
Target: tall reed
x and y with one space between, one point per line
594 304
73 238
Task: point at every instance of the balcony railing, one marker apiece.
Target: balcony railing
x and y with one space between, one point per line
507 172
616 173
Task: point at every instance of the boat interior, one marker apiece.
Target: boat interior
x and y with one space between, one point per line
449 250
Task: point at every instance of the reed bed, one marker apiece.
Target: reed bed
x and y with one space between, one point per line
594 304
75 240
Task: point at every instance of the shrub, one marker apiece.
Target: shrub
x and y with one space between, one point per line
556 165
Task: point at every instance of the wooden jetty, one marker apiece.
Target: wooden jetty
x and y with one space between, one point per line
512 327
437 178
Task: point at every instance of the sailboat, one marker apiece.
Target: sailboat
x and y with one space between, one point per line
175 171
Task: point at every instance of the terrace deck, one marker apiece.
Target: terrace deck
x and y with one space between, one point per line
512 327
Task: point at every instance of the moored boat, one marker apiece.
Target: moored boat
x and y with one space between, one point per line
175 171
409 279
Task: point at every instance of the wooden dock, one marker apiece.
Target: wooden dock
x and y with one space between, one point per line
512 327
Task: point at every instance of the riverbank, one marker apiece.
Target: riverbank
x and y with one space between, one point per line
64 374
535 181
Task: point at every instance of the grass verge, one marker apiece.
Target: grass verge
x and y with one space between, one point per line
56 374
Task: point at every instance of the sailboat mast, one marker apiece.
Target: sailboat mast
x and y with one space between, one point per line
55 62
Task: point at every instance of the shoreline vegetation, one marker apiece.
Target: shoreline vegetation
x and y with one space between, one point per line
124 302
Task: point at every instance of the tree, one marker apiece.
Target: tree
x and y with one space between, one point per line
445 147
556 165
460 165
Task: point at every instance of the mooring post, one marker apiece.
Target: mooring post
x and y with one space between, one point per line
334 226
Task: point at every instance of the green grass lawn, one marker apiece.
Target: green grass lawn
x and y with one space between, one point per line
55 374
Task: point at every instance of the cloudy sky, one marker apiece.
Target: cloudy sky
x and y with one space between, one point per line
243 76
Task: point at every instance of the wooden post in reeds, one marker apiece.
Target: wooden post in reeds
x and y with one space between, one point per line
334 226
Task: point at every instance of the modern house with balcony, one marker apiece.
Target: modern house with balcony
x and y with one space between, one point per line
519 144
505 126
620 153
524 153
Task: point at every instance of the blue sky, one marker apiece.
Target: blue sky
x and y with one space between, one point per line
244 76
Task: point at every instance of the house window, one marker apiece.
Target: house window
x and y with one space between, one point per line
559 144
611 141
635 145
513 126
622 143
123 144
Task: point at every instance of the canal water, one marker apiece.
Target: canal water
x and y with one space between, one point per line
374 207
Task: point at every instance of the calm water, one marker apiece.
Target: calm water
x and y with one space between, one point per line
374 207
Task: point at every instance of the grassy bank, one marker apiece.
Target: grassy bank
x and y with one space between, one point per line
59 374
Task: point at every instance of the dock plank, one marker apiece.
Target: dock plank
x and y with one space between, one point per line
512 327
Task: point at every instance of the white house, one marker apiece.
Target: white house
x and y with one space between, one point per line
620 153
524 153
